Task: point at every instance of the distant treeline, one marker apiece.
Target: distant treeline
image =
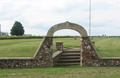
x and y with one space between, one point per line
19 37
31 37
105 36
35 37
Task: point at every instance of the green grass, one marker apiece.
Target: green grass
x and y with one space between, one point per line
108 47
67 42
62 72
19 47
27 47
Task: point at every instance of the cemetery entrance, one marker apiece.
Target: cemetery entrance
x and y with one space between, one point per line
87 50
43 56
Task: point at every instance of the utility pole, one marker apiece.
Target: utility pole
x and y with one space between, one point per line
90 19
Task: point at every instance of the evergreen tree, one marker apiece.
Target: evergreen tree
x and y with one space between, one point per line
17 29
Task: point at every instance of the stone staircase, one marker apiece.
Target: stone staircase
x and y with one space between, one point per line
69 56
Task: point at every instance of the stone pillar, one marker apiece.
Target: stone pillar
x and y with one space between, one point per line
59 46
88 53
45 52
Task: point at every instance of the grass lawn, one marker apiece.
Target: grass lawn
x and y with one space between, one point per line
27 47
62 72
19 47
108 47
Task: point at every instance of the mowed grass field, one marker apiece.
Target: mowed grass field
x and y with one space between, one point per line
108 47
28 47
62 72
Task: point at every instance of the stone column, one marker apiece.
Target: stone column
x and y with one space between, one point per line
59 46
89 55
45 52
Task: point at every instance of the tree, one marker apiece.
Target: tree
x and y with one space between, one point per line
17 29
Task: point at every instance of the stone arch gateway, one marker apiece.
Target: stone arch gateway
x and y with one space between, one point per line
67 25
88 52
43 55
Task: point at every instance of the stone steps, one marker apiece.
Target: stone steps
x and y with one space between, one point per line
67 64
68 58
72 60
71 54
71 51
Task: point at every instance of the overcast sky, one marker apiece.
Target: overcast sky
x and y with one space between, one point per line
37 16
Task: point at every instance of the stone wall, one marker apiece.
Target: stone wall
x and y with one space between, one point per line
56 56
90 57
42 58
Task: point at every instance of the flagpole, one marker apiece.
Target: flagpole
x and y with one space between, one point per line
90 19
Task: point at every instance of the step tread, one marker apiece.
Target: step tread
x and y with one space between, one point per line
70 53
70 57
67 64
69 60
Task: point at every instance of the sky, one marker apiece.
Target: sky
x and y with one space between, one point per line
38 16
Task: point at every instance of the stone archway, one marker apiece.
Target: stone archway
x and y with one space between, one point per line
88 52
67 25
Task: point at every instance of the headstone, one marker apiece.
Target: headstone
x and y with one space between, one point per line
75 38
93 42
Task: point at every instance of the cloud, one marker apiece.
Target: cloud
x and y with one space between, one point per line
6 25
35 31
66 32
40 15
